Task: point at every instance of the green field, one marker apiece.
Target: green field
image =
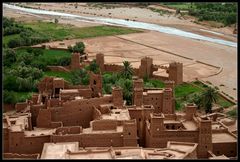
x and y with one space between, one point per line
60 31
50 56
64 75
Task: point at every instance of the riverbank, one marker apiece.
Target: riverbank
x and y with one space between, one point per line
136 14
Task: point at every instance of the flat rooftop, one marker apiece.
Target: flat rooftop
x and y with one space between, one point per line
183 146
190 125
117 114
58 150
223 138
90 131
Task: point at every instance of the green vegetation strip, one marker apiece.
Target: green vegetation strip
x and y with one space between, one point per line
60 31
65 75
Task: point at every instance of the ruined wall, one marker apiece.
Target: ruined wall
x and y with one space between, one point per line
228 149
96 84
20 106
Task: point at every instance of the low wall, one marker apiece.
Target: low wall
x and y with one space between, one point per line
58 68
20 156
8 107
117 68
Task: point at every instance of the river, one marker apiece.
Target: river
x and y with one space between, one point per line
125 23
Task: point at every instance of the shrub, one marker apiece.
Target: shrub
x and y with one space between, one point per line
9 57
79 47
9 97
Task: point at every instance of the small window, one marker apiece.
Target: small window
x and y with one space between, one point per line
205 146
231 151
129 133
94 82
139 119
16 144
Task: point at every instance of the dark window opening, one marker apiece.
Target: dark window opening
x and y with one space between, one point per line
167 126
129 133
16 144
57 91
173 127
139 119
94 82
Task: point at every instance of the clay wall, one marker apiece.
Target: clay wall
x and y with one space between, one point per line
44 118
100 61
58 68
92 140
117 68
75 61
157 77
96 84
117 97
101 100
54 102
8 107
75 113
176 72
168 101
104 125
130 133
228 149
190 110
69 130
155 99
160 139
141 115
5 140
34 99
34 110
21 156
20 106
26 145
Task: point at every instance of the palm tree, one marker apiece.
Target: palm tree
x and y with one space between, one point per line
127 71
208 97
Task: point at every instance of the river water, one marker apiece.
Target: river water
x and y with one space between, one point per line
125 23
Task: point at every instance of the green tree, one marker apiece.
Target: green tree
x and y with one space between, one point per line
208 97
94 67
9 57
9 97
79 47
79 76
127 71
